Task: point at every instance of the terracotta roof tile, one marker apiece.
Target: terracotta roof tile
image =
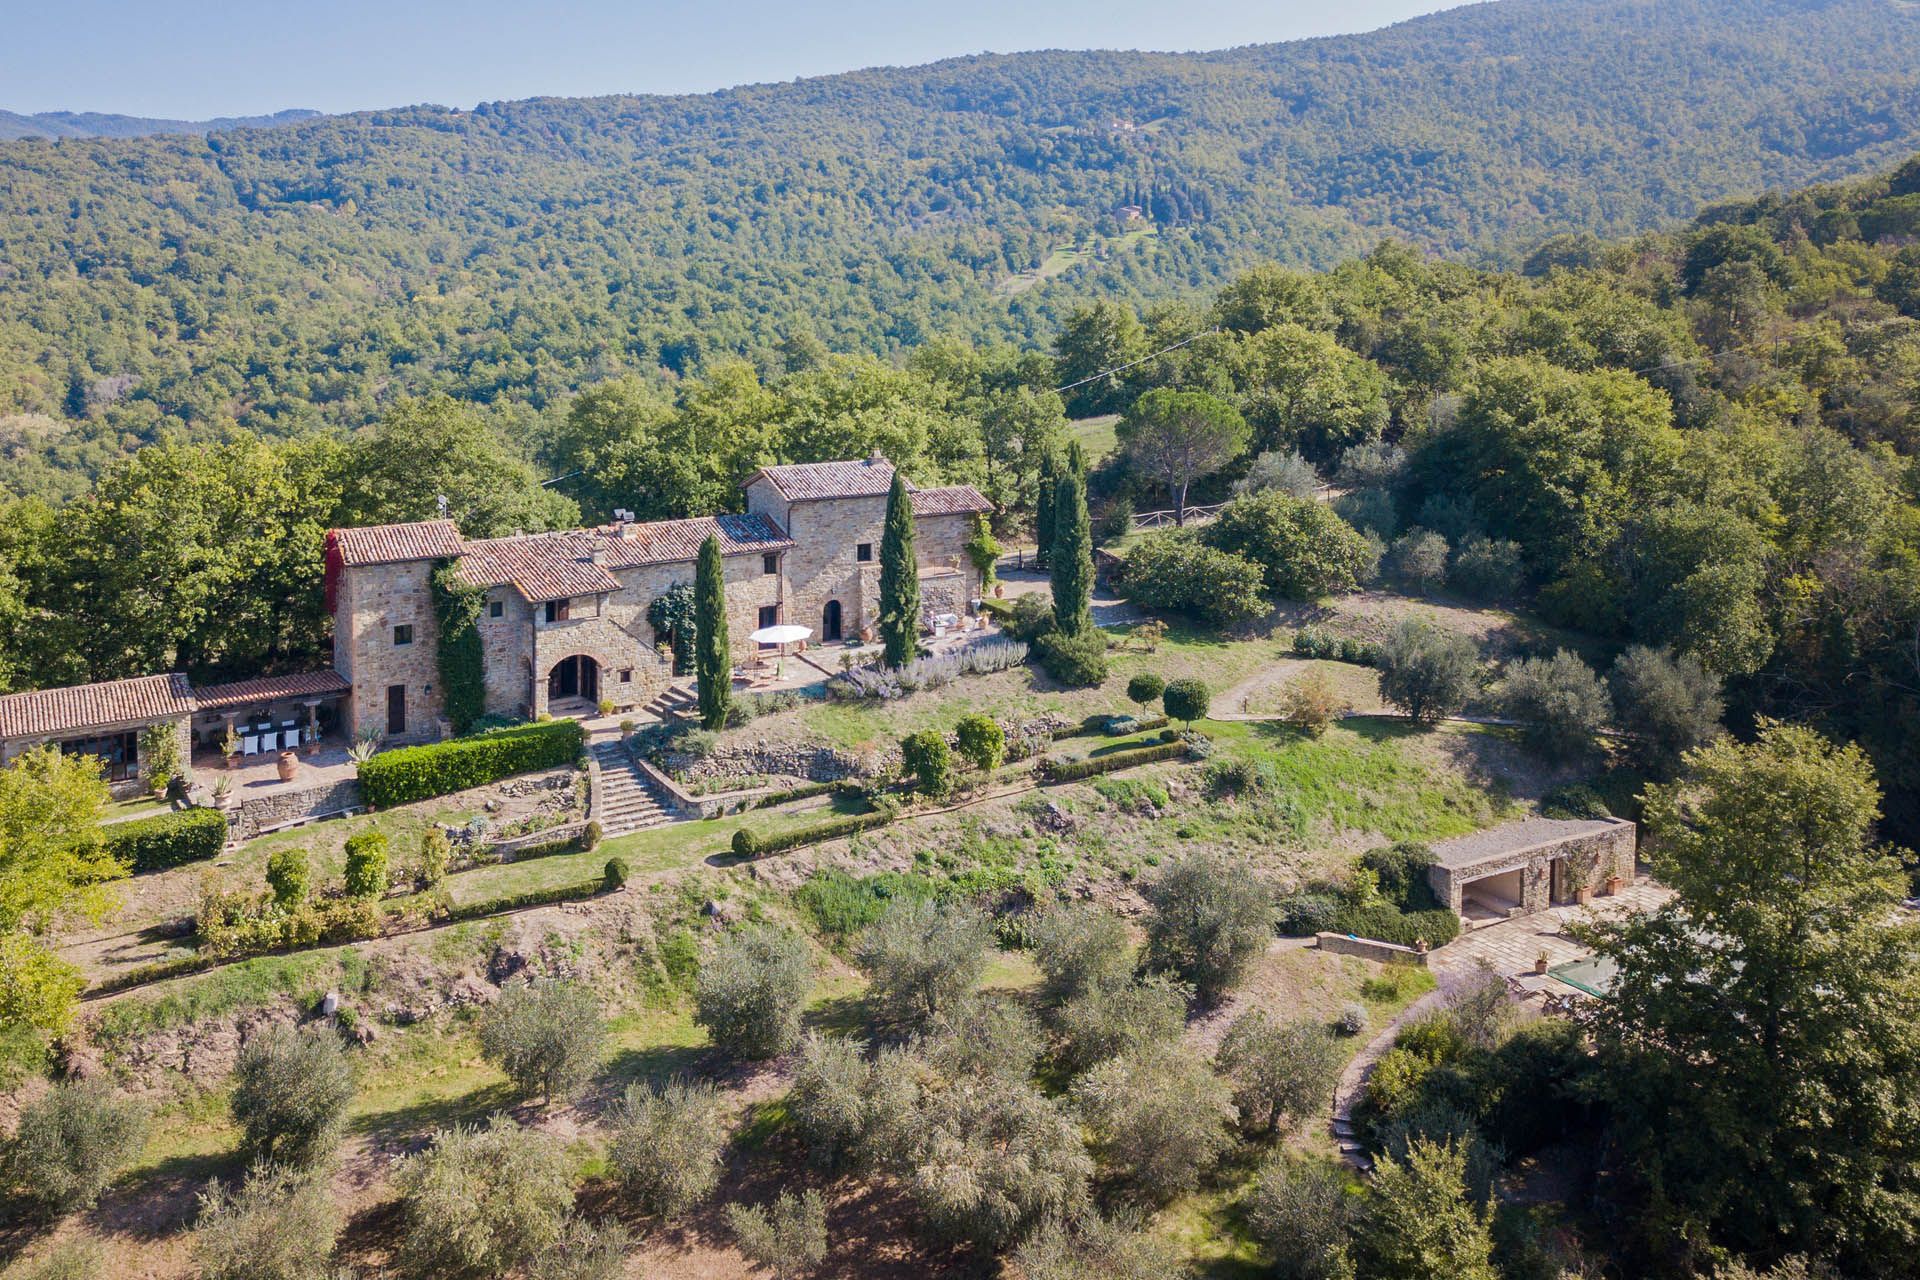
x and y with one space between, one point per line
553 566
306 684
94 706
954 499
390 543
813 481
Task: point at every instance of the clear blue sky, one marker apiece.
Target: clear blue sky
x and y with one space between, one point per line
184 60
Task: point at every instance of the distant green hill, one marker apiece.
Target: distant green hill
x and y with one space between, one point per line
94 124
306 275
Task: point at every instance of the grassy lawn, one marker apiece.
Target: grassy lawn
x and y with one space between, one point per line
1097 436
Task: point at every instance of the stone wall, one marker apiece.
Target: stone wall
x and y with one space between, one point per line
254 815
371 601
824 563
1369 949
506 653
815 764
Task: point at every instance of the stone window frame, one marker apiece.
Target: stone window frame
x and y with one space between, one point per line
769 564
863 553
496 608
402 634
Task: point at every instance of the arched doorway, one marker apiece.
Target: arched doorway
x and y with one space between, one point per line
575 677
830 621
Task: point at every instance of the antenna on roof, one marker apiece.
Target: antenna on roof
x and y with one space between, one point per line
440 501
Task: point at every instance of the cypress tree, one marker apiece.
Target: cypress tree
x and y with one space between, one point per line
899 579
712 661
1043 512
1071 561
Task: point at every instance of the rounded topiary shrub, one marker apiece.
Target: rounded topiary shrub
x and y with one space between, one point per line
1145 687
1187 700
590 836
615 876
744 843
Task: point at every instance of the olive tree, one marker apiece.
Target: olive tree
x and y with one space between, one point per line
1079 947
278 1224
1279 1070
787 1237
1302 1214
291 1091
666 1144
1427 672
1666 706
545 1035
1559 701
922 958
1097 1248
752 990
1211 916
480 1202
72 1141
1111 1020
989 1160
1159 1119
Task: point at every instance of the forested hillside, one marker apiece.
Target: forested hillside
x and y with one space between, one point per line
95 124
308 275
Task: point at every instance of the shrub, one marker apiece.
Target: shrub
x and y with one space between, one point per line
585 1252
289 878
1402 928
787 1237
1427 672
841 905
1097 1248
1187 700
167 839
922 958
1211 916
665 1145
1273 471
367 865
1311 642
1092 766
1353 1018
1301 1213
1450 517
1176 573
72 1141
754 845
1369 511
482 1202
1666 705
1574 800
926 757
278 1225
1418 559
827 1105
1311 703
1400 871
409 774
76 1258
1303 549
1110 1020
1158 1118
1078 948
1031 617
435 853
1418 1221
745 844
1077 661
291 1091
1279 1071
1560 702
614 877
980 741
1144 688
545 1035
1486 569
590 836
982 657
1305 914
752 991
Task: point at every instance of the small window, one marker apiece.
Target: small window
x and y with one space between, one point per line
403 634
626 675
863 552
495 608
557 610
770 563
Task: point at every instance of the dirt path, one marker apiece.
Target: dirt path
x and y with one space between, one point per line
1346 1094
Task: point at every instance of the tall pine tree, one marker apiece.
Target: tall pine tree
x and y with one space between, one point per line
899 579
1071 560
1043 511
712 660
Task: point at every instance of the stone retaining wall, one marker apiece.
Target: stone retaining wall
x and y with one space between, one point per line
256 814
815 764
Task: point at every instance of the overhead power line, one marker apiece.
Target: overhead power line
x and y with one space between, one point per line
1122 368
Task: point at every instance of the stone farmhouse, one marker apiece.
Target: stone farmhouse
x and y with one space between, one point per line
564 627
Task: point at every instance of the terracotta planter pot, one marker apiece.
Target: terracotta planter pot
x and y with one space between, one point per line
1540 966
999 592
1584 896
288 763
1614 885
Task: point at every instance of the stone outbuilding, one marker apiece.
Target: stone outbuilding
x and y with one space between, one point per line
1522 867
105 720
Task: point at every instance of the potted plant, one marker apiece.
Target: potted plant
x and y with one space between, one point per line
1615 884
1541 964
230 747
1582 874
222 791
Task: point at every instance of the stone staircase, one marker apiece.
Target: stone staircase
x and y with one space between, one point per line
628 800
674 701
1348 1141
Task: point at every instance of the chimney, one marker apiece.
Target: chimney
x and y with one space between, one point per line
876 458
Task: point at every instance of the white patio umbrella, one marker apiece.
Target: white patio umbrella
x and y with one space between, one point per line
783 635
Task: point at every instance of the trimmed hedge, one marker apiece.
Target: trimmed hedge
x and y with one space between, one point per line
1071 770
167 839
805 791
531 898
748 845
1390 924
409 774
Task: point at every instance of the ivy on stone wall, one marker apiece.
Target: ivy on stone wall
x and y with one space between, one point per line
671 614
463 686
